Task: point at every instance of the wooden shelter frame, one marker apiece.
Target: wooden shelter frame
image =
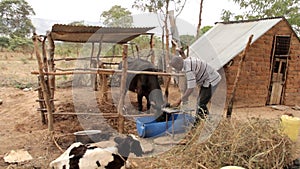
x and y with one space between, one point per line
47 70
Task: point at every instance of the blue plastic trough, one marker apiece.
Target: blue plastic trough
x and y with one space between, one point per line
148 127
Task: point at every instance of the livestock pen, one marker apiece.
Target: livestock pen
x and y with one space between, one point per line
92 35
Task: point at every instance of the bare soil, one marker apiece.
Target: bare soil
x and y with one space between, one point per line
21 126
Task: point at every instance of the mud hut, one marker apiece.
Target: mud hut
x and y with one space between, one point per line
270 74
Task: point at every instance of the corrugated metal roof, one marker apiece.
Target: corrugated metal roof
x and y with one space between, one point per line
226 40
96 33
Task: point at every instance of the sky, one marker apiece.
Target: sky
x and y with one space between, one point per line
67 11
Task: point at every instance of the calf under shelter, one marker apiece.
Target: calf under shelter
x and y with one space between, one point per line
270 74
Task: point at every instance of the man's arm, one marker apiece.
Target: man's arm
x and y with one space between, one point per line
184 98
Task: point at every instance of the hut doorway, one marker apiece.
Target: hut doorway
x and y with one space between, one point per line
280 55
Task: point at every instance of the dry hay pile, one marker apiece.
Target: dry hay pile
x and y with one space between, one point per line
255 143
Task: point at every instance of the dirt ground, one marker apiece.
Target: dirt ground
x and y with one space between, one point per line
21 126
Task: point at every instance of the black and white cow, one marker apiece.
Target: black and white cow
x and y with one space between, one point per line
80 156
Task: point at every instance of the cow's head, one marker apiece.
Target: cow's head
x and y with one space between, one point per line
159 114
127 145
70 157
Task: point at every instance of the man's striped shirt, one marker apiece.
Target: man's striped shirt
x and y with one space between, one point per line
199 72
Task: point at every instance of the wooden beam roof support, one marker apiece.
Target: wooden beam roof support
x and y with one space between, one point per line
122 89
51 66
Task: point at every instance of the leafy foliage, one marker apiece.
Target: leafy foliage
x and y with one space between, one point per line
14 20
21 44
77 23
16 25
255 9
117 16
143 42
67 48
187 40
162 6
4 42
158 5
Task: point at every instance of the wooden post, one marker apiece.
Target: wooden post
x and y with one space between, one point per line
93 65
132 50
113 55
104 88
152 44
46 93
44 54
51 68
51 48
45 63
137 51
98 63
240 66
92 54
187 51
122 88
40 91
103 76
41 102
108 72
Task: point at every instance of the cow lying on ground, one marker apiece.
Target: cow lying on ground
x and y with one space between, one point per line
145 85
80 156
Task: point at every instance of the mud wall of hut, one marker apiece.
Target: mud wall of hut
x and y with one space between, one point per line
253 85
292 92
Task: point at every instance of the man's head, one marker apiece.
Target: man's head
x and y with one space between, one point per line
177 63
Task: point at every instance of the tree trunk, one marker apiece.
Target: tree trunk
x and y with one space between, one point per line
200 19
167 57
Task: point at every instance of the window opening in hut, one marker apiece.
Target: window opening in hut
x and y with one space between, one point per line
282 47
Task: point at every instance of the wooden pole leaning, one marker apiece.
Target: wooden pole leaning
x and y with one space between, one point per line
240 66
41 101
122 89
43 84
51 68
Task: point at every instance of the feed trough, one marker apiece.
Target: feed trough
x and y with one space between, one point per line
91 136
148 127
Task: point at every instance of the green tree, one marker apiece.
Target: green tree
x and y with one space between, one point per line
226 15
255 9
143 42
15 18
187 40
205 29
21 44
69 48
159 5
117 16
162 6
77 23
4 42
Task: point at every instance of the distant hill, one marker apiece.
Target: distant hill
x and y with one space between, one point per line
44 25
